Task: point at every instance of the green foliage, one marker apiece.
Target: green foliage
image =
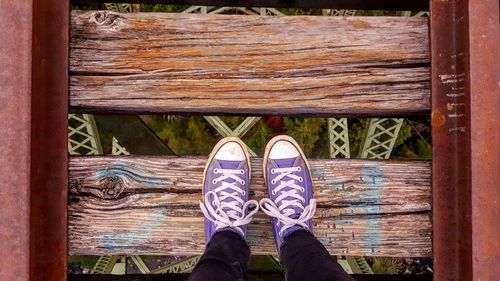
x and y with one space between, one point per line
194 136
378 13
357 130
185 136
87 262
305 131
382 265
300 12
258 137
161 8
404 134
92 6
417 141
232 121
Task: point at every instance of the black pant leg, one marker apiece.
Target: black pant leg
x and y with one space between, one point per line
225 259
305 258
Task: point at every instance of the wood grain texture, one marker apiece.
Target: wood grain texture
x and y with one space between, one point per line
149 205
233 64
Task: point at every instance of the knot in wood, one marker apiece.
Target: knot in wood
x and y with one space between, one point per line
111 187
106 18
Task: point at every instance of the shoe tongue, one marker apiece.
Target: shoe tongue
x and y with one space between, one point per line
227 164
285 163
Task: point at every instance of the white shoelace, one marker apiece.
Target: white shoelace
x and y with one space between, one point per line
228 214
281 208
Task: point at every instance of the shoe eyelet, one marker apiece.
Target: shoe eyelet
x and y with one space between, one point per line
214 203
273 171
301 179
303 201
242 182
273 192
214 181
216 171
242 172
302 189
299 169
243 193
273 182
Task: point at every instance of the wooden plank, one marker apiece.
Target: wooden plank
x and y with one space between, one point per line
149 205
189 63
397 5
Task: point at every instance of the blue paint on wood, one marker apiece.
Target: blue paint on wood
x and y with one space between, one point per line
111 242
122 171
318 173
372 176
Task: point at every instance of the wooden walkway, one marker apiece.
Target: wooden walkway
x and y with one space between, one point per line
149 205
188 63
207 64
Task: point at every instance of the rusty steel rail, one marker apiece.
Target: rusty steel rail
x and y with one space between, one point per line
15 80
33 147
49 140
465 108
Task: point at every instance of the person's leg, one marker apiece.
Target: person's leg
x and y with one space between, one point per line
304 258
225 259
291 205
226 207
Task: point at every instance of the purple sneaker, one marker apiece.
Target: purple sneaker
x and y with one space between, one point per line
288 179
226 184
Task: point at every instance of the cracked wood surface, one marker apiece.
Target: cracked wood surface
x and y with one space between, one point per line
149 205
235 64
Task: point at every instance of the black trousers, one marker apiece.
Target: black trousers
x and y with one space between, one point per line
302 256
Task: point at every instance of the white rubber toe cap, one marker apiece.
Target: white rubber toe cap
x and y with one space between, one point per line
283 150
230 151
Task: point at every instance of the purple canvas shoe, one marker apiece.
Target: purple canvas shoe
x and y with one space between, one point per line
226 184
288 179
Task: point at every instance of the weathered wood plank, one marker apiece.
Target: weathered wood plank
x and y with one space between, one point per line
188 63
149 205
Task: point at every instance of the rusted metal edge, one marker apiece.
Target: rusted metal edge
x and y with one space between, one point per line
15 81
464 103
484 108
49 152
450 188
414 5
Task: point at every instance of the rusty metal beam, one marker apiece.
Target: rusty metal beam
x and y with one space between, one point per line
465 105
15 81
33 148
484 83
414 5
49 152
